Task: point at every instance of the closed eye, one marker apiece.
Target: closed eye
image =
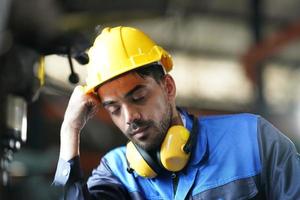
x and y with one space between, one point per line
139 96
113 109
138 99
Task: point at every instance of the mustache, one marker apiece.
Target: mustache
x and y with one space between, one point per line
137 124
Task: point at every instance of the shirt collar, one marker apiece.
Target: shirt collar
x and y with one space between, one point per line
200 146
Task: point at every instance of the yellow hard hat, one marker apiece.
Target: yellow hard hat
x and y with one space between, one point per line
119 50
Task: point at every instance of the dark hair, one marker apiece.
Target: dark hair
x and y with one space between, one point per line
153 70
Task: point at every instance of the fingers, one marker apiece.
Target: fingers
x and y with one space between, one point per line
81 107
93 105
80 97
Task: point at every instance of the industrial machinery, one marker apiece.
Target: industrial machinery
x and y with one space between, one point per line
22 74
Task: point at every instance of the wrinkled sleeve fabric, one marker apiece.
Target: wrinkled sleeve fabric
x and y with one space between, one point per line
280 163
103 183
103 186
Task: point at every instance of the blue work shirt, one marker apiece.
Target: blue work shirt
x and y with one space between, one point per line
239 156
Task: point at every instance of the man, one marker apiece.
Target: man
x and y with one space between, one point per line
172 155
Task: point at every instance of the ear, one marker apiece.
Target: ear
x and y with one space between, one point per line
169 86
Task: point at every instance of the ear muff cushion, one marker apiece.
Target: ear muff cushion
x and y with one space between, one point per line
140 161
172 154
177 146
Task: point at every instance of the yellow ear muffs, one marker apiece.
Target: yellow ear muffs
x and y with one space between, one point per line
172 154
140 161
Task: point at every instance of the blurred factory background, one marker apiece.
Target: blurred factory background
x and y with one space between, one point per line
229 56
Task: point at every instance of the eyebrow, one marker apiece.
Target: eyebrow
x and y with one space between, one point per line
107 103
137 87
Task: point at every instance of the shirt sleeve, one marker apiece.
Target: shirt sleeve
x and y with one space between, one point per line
102 184
280 163
67 172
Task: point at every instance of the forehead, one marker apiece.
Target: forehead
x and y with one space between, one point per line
121 85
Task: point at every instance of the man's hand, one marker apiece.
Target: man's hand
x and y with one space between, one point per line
80 109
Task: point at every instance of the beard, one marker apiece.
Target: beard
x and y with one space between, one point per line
158 131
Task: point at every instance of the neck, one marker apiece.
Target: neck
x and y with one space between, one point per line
176 118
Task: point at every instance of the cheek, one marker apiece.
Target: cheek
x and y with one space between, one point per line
158 108
119 123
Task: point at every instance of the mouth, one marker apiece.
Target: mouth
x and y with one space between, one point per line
140 133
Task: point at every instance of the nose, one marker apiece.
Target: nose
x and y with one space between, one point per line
131 114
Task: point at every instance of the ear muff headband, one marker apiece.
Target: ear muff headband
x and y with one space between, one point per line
137 162
191 141
149 160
